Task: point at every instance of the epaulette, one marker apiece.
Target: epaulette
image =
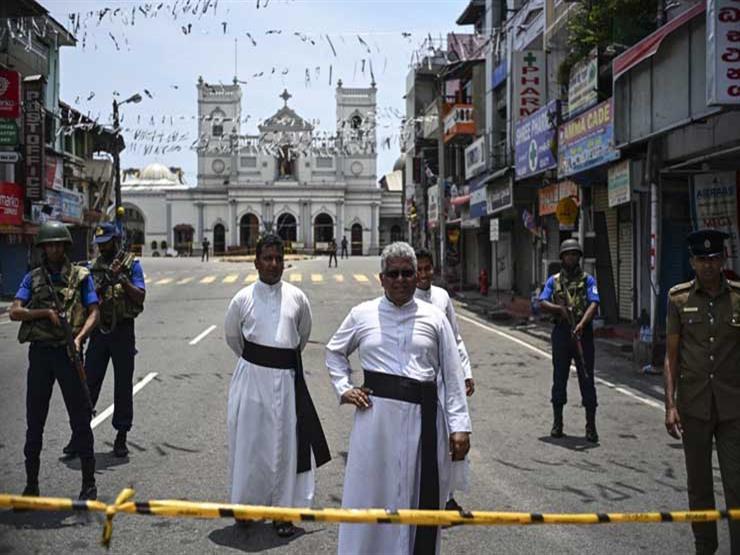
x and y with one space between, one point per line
681 287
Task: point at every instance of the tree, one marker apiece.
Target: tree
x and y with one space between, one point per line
600 23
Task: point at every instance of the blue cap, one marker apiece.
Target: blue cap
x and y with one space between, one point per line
105 232
707 242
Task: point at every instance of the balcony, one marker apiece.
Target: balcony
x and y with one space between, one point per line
459 122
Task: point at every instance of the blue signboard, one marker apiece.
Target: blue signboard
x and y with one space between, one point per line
478 197
587 141
535 141
499 75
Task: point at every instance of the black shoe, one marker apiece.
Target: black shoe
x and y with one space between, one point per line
284 529
31 490
119 446
69 450
591 435
557 430
88 492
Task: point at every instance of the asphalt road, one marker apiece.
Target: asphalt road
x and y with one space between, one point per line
179 446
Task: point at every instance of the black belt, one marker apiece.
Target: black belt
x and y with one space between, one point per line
425 394
308 426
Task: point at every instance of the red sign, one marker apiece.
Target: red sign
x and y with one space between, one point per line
10 94
11 203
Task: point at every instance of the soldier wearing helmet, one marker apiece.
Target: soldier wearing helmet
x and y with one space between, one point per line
49 360
572 298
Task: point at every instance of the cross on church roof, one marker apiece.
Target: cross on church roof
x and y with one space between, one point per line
286 96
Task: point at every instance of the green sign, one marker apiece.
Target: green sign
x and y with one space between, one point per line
8 133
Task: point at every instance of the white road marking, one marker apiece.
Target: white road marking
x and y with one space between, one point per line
208 279
610 385
251 278
164 281
339 278
137 387
202 335
231 278
185 280
362 278
296 278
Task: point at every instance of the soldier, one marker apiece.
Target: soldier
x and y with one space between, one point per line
702 382
50 359
119 282
572 297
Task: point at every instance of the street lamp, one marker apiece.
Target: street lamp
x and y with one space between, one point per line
135 99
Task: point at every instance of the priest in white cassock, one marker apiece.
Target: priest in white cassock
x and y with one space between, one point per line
427 292
275 437
411 419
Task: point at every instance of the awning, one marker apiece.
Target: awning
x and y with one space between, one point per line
648 46
460 200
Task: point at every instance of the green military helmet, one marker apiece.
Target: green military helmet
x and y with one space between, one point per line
53 232
570 245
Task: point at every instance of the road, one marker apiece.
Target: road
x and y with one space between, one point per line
179 446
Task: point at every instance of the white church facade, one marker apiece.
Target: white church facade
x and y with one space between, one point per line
289 179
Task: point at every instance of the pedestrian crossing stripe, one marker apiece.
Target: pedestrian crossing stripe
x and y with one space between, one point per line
208 279
164 281
295 278
251 278
185 280
362 278
231 278
339 278
317 278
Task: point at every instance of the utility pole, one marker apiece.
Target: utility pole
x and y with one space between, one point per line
135 99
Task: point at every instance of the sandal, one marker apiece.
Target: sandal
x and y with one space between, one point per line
284 529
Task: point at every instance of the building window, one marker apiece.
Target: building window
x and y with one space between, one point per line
324 162
248 161
217 130
356 122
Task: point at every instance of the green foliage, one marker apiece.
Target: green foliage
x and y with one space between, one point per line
599 23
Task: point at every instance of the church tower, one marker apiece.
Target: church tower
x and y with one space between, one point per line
219 126
356 133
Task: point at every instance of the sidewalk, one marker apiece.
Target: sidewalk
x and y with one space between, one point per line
516 312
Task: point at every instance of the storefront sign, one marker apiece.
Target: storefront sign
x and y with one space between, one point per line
475 159
9 157
11 203
620 183
535 141
528 79
715 204
587 141
723 52
8 132
34 137
10 94
494 230
500 196
433 205
54 173
63 205
584 84
551 195
478 199
499 75
567 213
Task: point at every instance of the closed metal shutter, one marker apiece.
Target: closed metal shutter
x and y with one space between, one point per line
626 272
601 204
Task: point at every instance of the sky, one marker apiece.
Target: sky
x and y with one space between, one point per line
161 57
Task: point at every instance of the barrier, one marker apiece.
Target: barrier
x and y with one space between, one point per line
189 509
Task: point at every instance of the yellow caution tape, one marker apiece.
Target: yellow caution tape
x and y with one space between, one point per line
188 509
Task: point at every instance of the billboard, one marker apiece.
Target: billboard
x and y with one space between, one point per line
535 145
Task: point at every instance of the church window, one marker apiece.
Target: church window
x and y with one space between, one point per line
217 130
356 122
248 161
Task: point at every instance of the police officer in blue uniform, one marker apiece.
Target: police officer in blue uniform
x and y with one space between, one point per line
119 282
572 297
49 356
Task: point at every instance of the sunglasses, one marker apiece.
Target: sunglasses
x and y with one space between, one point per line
393 274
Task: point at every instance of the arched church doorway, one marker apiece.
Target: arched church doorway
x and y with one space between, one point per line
287 228
323 228
219 239
248 231
357 240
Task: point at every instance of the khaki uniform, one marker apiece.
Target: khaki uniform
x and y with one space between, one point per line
708 396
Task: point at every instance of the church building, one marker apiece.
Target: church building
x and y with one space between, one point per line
290 179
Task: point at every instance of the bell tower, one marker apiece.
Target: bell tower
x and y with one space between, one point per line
356 130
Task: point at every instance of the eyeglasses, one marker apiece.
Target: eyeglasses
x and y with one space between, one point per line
393 274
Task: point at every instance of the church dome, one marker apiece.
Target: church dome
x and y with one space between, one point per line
157 172
400 164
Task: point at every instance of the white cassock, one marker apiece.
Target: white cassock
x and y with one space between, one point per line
384 459
441 299
263 446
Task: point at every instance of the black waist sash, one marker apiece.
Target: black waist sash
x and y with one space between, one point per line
409 390
308 426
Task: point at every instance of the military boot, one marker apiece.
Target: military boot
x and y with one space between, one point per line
591 435
89 489
32 478
70 450
557 421
119 446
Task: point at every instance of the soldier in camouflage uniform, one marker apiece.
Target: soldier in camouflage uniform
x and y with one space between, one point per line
702 381
49 359
571 295
119 281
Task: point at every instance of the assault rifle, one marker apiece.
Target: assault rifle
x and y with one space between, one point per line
74 355
571 317
106 282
